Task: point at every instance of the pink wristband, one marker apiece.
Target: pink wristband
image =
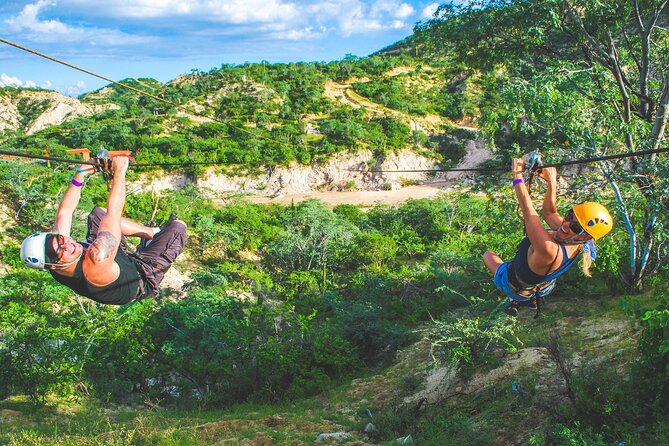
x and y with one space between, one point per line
77 183
517 181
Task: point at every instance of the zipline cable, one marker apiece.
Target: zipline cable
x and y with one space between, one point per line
137 90
50 158
194 112
560 164
97 164
216 163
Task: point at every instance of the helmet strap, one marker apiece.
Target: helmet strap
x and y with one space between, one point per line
63 265
570 241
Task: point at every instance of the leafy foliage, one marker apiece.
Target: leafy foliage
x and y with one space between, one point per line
471 340
286 301
259 114
577 79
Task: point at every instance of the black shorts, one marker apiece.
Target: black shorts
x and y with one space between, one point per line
163 250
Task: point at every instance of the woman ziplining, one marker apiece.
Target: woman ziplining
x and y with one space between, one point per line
545 254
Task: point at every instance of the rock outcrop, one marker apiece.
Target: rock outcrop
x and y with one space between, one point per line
344 171
31 111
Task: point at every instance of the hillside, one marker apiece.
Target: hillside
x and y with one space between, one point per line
30 111
350 320
506 402
251 120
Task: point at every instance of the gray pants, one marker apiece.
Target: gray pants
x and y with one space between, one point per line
156 258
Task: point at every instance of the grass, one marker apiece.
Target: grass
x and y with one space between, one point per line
88 422
594 330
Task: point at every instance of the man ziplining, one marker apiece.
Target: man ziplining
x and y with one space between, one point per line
545 254
100 268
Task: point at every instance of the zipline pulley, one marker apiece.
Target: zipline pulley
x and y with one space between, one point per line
533 164
104 158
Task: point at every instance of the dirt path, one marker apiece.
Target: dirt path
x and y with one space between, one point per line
363 198
448 181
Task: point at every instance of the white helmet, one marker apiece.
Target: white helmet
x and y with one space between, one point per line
33 250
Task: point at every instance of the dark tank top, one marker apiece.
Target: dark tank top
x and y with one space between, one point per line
526 276
121 291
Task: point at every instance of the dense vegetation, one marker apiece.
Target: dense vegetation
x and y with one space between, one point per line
259 114
286 301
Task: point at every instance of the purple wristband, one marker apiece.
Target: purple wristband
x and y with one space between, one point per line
517 181
77 183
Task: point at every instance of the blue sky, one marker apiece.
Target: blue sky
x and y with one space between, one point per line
164 38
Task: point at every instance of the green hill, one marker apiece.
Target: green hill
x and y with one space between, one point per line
368 325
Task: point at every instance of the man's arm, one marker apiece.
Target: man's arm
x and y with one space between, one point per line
68 204
99 266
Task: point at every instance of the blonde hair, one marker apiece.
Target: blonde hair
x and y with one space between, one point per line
586 263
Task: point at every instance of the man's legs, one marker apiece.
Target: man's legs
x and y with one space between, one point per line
163 250
129 228
94 219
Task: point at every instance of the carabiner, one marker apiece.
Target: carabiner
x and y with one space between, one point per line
533 161
104 158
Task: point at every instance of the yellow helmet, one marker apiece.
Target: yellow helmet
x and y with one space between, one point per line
594 218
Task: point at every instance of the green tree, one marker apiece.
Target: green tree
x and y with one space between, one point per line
580 78
41 348
313 239
373 249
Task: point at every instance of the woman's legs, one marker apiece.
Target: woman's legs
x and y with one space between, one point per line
492 261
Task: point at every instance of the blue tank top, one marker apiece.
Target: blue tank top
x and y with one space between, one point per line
528 277
121 291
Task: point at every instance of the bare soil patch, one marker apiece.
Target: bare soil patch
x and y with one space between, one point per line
362 198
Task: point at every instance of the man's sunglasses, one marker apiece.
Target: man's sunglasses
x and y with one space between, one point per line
574 225
60 241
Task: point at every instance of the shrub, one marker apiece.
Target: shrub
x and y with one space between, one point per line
41 348
470 341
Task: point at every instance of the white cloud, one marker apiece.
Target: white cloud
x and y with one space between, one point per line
155 28
137 9
391 8
429 10
11 81
149 8
27 20
29 23
359 18
404 11
227 11
7 81
297 34
73 90
251 11
352 16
